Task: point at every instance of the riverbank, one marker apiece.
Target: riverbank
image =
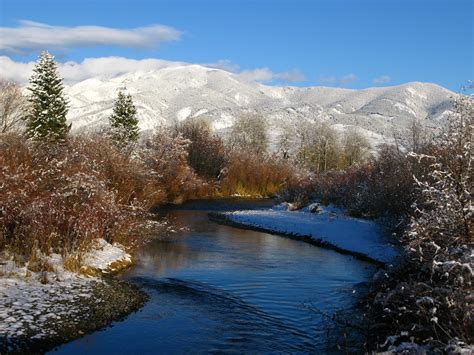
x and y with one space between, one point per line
45 307
324 226
217 289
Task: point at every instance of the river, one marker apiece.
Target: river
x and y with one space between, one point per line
214 288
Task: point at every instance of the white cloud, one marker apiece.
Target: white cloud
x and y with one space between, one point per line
88 68
259 74
109 67
384 79
16 71
341 81
31 36
292 76
224 64
266 74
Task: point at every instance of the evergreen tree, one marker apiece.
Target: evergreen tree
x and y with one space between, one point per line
124 122
46 119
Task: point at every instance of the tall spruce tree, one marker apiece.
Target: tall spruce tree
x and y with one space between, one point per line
124 122
46 119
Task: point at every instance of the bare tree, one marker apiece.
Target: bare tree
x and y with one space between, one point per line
355 145
249 133
13 105
319 148
206 152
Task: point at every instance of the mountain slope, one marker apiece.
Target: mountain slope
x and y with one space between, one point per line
180 92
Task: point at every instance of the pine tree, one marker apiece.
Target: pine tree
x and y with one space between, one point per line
46 119
124 122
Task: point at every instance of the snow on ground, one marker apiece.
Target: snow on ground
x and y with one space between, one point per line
28 307
34 304
225 121
104 255
200 112
329 226
184 113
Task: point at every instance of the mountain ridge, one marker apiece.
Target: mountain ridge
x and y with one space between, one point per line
172 94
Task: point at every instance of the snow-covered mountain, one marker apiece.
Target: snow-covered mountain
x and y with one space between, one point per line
178 93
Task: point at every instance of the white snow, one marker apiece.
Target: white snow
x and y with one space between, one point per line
200 112
225 122
184 113
405 108
104 254
414 92
330 226
167 94
28 304
241 99
31 301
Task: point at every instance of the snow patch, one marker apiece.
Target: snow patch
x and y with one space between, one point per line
104 254
329 226
31 302
404 108
415 93
200 112
184 113
226 121
241 99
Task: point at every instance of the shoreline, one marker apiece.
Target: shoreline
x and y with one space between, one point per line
50 306
88 306
221 218
325 226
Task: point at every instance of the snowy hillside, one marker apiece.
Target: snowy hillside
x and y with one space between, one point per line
181 92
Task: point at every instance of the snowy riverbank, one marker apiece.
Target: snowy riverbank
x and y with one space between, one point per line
40 309
327 227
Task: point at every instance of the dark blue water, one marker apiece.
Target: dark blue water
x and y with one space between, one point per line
215 288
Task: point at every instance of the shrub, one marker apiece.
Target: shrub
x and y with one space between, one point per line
381 186
428 300
255 175
166 157
60 197
206 151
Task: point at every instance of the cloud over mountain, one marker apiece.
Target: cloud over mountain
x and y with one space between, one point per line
109 67
384 79
338 81
106 67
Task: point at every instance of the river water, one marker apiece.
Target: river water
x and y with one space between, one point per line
215 288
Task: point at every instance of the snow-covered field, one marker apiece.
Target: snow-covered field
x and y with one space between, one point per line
34 304
330 226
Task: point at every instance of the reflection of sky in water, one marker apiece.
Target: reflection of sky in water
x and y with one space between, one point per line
218 288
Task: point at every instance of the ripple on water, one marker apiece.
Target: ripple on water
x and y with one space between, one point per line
220 289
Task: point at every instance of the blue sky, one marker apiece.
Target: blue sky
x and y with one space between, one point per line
335 43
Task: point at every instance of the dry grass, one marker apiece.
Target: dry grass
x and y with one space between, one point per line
255 175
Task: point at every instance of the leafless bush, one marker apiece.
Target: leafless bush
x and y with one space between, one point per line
206 151
58 198
165 154
429 301
13 106
249 134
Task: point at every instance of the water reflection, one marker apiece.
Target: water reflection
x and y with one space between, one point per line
217 289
